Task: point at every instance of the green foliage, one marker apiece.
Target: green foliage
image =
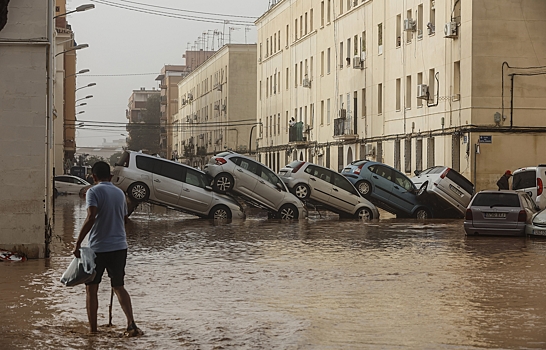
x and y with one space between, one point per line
146 135
91 160
114 158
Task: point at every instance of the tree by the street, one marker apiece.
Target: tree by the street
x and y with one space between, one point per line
114 158
145 135
91 160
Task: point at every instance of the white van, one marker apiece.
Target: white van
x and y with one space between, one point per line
531 180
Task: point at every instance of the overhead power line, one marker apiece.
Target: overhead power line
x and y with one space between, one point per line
175 9
173 15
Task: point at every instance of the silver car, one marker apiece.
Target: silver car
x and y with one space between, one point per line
449 191
69 184
323 186
499 213
259 185
148 178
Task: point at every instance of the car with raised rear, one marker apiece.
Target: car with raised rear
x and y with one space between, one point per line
320 185
258 185
147 178
448 191
387 188
531 180
499 213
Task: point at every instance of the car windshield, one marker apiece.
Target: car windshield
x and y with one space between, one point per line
433 170
294 164
359 162
460 180
496 200
524 179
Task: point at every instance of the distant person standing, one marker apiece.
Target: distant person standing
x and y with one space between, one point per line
105 223
502 183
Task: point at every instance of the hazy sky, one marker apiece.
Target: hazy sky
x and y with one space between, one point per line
134 43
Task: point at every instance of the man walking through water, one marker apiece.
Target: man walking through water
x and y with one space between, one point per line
105 223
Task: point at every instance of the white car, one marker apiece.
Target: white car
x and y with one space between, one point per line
157 180
259 185
69 184
326 187
450 191
531 180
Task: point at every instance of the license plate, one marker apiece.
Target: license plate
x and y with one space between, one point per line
495 215
456 190
539 232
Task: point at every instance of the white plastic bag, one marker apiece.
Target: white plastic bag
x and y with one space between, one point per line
80 270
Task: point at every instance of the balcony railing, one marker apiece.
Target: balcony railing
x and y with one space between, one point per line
343 127
201 151
295 133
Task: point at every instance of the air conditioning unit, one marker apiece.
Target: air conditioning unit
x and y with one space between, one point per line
306 83
216 107
358 63
320 152
343 113
409 24
363 56
450 30
422 91
190 97
369 149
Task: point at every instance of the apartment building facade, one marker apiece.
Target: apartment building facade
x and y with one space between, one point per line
217 105
413 83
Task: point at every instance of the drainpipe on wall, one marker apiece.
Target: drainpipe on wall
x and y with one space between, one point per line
49 125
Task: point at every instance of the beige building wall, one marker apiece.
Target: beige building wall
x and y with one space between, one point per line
25 207
217 106
365 60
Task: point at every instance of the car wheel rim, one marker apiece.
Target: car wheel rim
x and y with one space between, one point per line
301 192
421 214
220 214
364 215
139 192
223 184
287 214
364 188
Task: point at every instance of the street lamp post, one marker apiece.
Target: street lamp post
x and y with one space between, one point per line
80 8
88 85
73 48
83 98
79 72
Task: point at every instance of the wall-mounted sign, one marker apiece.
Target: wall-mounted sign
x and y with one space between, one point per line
485 139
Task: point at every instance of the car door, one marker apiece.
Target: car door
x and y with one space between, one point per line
167 181
267 191
403 193
246 175
194 196
343 195
381 176
320 183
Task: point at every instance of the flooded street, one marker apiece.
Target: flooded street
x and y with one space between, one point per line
319 283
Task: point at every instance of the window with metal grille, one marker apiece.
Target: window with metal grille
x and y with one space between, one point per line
407 155
339 158
419 155
397 154
379 152
430 152
456 152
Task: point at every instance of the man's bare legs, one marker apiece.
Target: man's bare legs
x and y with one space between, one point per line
92 304
125 302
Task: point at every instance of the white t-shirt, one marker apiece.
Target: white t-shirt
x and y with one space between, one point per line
108 231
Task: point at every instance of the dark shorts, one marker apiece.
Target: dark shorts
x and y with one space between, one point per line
114 263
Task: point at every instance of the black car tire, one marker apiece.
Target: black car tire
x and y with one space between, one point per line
422 213
302 191
422 190
138 191
288 212
223 183
364 214
220 212
364 188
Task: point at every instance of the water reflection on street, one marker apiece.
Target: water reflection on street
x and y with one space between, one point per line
321 283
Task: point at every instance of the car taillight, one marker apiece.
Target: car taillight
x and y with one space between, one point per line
220 161
444 173
522 216
468 215
357 170
297 167
540 186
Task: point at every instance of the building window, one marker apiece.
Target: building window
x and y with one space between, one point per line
397 154
407 156
301 26
279 82
409 33
328 114
430 152
287 77
341 7
311 20
279 124
311 69
419 82
287 34
397 94
419 155
279 38
322 63
348 57
420 21
431 83
328 61
306 21
398 30
364 107
431 26
457 80
322 112
341 53
296 29
275 43
322 13
287 122
296 75
267 47
408 92
380 39
456 152
379 98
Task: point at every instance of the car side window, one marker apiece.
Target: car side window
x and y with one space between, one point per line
236 160
269 176
382 171
403 181
148 164
172 171
248 165
195 178
341 182
321 173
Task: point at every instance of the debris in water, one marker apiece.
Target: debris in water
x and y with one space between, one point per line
10 256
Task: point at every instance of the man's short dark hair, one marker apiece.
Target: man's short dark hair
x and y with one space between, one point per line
101 170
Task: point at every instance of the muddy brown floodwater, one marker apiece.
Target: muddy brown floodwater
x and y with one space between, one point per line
319 283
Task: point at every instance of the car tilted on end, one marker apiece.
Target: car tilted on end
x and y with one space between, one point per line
157 180
311 182
387 188
499 213
259 185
